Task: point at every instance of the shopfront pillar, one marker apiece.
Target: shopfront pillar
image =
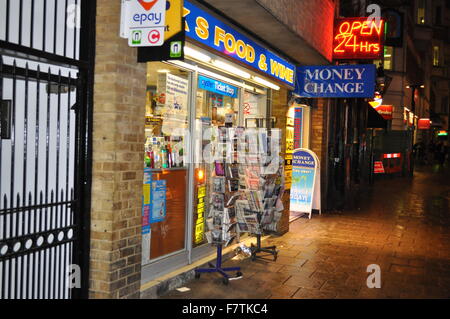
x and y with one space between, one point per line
319 140
118 137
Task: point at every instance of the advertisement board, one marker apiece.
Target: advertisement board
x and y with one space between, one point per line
305 185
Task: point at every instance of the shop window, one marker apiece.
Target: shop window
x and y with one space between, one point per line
165 174
217 105
435 55
221 101
421 9
217 101
388 58
166 116
255 108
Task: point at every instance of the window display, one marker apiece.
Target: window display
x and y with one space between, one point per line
166 116
166 177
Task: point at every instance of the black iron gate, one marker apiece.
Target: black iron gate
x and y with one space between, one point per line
46 73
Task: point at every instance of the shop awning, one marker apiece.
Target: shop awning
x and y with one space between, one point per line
374 119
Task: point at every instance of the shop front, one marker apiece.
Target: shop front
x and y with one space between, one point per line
227 79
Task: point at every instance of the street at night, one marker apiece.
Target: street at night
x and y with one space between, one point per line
200 154
403 226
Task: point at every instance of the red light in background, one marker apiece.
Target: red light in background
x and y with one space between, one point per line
393 155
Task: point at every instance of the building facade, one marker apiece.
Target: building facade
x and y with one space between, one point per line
126 97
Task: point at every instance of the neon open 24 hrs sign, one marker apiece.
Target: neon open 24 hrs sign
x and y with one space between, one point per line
358 38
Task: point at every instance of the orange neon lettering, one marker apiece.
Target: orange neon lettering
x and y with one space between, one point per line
355 26
377 29
365 26
347 30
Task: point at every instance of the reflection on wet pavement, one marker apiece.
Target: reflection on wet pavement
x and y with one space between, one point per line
402 226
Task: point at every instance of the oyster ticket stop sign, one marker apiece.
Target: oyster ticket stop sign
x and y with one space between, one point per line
143 22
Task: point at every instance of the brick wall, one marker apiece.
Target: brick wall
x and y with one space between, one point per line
319 113
312 20
318 129
119 100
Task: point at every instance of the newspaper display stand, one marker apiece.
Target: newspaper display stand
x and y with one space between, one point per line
247 186
262 186
225 191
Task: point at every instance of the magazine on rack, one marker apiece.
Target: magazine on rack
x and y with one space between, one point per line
217 201
218 184
267 216
232 199
216 236
223 132
219 168
233 185
210 223
232 171
231 212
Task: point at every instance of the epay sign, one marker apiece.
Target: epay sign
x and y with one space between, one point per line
143 22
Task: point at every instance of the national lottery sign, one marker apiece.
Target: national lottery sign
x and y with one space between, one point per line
336 81
208 30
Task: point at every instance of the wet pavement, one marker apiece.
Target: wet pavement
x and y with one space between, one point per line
403 226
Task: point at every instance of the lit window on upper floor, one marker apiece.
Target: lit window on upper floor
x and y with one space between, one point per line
388 58
435 55
421 11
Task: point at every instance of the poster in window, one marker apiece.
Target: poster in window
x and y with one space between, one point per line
250 104
158 201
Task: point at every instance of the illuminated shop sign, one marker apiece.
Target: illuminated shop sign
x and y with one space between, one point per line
200 223
358 38
217 35
385 111
215 86
377 100
336 81
424 124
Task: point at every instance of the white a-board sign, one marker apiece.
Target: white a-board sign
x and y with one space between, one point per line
143 22
305 188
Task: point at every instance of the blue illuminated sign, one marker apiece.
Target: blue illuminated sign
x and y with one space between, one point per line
215 34
336 81
215 86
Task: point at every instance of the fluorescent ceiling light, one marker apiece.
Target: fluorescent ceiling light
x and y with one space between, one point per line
266 83
196 54
231 69
163 71
220 77
183 64
205 72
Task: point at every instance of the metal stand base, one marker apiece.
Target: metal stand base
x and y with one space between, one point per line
218 268
272 250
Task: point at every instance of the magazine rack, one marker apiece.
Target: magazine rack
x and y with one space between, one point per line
218 268
255 250
225 187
